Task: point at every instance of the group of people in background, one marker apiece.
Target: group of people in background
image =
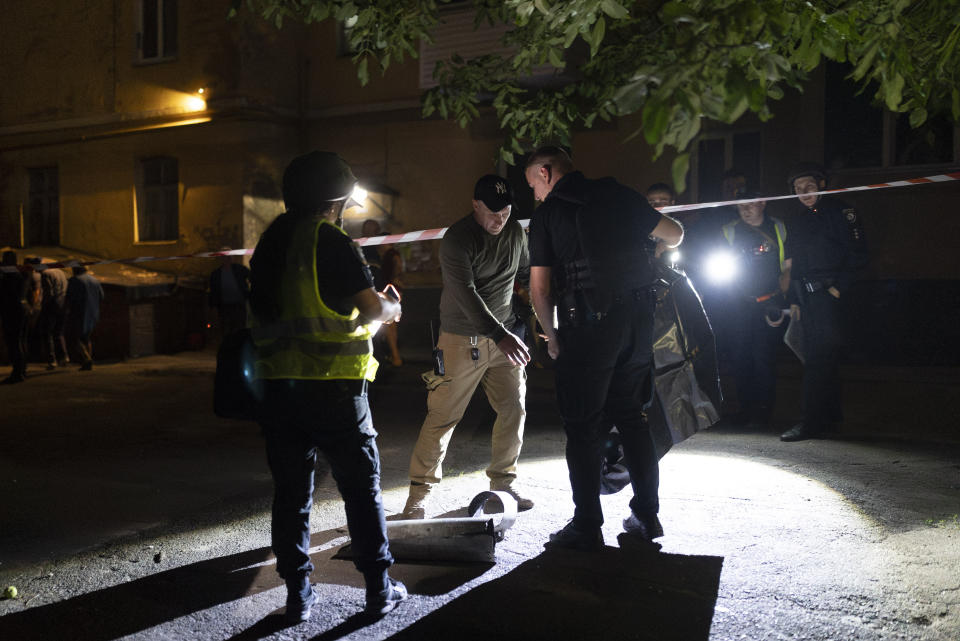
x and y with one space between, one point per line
796 271
42 301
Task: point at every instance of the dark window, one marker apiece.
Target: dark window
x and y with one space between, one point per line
158 29
157 213
853 126
856 131
929 144
710 168
43 219
746 156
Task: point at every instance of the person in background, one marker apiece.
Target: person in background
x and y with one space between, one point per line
53 316
757 331
371 253
824 251
661 195
392 274
229 288
13 314
84 296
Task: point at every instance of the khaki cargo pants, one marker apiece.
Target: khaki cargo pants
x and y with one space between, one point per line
506 388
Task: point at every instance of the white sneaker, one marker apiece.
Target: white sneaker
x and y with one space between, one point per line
523 503
416 501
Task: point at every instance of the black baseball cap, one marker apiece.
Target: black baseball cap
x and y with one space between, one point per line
493 191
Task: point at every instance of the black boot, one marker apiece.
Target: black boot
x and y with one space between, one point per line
300 599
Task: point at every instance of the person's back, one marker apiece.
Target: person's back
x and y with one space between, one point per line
588 262
84 295
54 284
314 311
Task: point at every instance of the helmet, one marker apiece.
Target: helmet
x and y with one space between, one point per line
812 169
314 179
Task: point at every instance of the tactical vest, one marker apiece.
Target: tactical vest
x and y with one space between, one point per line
310 340
615 262
730 231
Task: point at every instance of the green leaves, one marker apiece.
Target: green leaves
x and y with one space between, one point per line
614 9
893 92
678 63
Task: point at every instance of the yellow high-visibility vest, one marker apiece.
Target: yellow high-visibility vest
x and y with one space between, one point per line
729 232
310 340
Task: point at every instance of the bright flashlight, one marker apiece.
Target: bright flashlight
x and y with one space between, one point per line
721 267
359 195
673 257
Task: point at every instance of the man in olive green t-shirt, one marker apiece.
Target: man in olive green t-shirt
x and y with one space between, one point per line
480 257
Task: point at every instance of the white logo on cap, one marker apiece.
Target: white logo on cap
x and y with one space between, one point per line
501 188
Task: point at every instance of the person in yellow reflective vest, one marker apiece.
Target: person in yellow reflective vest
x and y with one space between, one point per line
314 311
757 304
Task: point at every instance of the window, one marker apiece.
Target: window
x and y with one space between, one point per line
455 34
858 134
157 37
720 155
157 200
43 217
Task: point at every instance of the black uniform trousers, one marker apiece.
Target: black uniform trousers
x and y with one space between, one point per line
755 360
299 419
822 342
15 330
605 378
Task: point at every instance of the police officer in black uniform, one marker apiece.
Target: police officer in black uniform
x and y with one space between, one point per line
824 250
588 263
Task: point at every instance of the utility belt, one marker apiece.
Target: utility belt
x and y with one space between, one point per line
575 309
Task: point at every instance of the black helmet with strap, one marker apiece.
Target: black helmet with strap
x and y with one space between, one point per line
316 179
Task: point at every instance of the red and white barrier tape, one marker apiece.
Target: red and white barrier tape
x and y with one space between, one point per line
927 180
433 234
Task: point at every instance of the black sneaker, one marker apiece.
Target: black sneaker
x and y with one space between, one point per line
800 432
640 532
298 607
380 603
574 538
647 526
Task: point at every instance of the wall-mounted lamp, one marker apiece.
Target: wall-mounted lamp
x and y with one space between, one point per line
369 201
359 196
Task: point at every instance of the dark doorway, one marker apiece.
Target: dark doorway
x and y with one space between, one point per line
43 213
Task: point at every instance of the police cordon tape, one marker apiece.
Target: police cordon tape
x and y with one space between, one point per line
433 234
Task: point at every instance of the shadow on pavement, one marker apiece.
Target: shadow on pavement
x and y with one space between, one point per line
564 594
140 604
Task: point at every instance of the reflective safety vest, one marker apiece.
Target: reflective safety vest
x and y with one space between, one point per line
730 229
310 340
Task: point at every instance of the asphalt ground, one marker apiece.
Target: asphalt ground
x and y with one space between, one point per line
129 511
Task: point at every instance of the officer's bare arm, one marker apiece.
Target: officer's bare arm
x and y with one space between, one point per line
542 300
374 306
669 231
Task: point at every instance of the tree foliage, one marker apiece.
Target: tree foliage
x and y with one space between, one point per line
675 62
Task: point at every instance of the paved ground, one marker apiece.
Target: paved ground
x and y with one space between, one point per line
129 511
